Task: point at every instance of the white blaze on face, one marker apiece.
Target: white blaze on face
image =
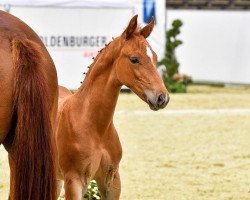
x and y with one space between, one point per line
150 54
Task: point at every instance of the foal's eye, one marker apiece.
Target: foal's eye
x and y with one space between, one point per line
134 60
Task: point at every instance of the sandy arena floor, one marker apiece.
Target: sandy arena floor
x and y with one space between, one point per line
198 148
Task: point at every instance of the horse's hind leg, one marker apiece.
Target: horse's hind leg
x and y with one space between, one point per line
109 186
12 169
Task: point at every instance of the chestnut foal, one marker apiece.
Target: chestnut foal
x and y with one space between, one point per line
87 142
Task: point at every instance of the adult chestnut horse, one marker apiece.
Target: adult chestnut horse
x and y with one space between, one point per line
87 141
28 107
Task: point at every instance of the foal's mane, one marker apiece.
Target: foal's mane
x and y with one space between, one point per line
90 67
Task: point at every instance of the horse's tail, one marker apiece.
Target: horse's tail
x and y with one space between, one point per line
34 171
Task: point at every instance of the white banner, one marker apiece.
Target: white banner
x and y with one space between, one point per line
74 35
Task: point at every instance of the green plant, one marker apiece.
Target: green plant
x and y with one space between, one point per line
92 192
170 61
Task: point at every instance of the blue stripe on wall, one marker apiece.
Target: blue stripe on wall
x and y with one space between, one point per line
148 10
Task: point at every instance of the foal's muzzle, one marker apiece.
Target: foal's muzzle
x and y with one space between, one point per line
158 102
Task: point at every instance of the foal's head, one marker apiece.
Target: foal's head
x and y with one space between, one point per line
136 65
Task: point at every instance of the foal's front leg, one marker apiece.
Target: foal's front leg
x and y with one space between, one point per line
75 184
109 186
59 184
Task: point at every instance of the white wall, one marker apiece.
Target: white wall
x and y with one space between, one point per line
216 45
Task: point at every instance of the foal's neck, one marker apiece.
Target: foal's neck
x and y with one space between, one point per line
97 97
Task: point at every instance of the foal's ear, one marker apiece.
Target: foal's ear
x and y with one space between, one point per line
146 31
130 28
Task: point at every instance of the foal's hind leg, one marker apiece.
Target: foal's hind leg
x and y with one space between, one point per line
109 186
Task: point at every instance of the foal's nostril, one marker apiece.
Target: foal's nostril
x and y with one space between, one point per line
161 100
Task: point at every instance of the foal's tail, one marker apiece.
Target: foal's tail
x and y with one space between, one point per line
34 171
